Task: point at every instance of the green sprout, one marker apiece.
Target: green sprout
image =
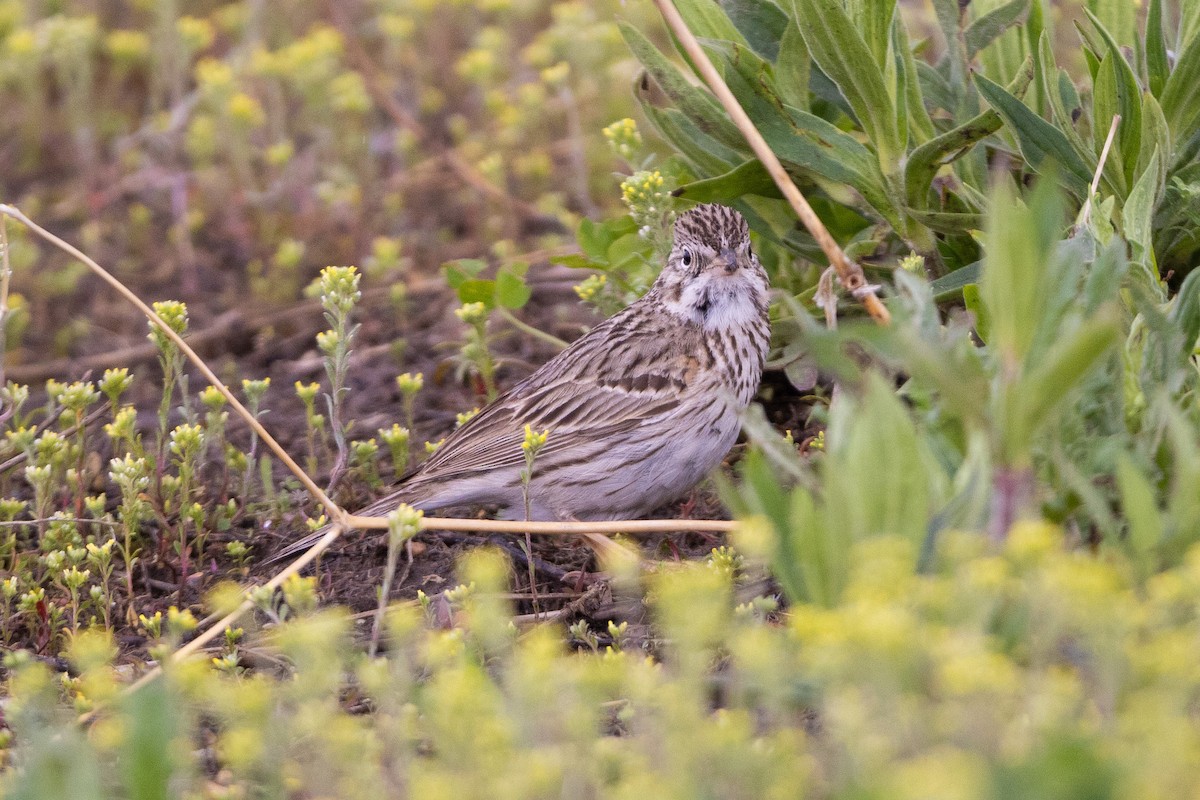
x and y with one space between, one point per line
409 384
338 288
530 447
314 423
475 350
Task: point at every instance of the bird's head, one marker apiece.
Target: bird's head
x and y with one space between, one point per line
711 275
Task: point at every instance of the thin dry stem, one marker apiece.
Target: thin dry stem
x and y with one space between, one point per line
233 616
5 277
1085 215
336 513
849 273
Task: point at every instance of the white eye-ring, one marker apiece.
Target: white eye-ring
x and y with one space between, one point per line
687 257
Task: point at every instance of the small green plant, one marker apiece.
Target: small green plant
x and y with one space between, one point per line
339 293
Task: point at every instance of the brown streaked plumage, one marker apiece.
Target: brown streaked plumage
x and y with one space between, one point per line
639 409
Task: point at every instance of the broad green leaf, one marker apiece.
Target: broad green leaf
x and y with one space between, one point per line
511 290
1146 529
705 153
699 106
477 290
1060 370
761 22
950 287
793 68
1158 68
873 20
761 494
822 553
750 177
1185 311
1155 137
596 237
839 49
146 758
1128 103
1180 96
873 442
988 27
707 20
1117 16
1138 213
1041 143
464 269
1013 284
1106 106
1053 82
974 304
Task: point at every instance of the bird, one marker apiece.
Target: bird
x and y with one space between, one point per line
638 410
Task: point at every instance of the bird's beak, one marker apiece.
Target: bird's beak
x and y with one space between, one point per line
729 258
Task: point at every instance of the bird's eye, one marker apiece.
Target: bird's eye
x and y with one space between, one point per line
687 257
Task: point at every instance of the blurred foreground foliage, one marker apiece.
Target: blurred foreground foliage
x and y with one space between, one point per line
1029 669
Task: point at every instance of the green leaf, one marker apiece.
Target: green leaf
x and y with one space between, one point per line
477 291
146 757
908 74
1063 367
991 25
804 142
872 441
750 177
1059 91
1180 96
822 553
511 290
1014 278
701 151
974 303
1146 528
1041 143
1155 137
1158 68
1185 311
761 22
707 20
949 287
874 21
760 493
1128 103
699 106
596 237
793 68
949 16
839 50
464 269
1138 213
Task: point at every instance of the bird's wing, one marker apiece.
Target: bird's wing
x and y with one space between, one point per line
604 386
